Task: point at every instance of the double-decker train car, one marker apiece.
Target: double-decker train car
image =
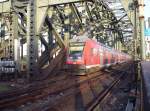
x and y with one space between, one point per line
89 54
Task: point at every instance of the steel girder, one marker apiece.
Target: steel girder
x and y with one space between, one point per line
126 4
46 3
5 7
32 39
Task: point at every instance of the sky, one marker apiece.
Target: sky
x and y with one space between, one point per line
147 9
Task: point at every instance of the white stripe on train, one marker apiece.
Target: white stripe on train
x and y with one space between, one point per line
98 65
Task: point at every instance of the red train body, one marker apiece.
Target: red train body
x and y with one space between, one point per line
91 54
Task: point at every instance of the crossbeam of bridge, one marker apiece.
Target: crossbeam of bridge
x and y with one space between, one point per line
126 4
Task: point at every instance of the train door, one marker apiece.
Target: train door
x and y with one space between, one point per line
101 55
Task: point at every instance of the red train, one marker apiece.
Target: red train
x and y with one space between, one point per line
90 54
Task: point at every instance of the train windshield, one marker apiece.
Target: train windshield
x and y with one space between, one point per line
76 50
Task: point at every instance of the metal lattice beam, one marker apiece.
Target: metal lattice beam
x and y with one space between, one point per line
32 43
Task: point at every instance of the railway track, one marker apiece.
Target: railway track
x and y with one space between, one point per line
89 107
104 94
39 90
55 87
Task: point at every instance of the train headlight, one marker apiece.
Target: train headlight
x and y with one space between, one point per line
80 58
70 57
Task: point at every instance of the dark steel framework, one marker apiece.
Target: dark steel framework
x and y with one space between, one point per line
46 26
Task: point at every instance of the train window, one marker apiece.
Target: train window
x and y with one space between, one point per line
94 51
76 53
105 61
101 51
76 50
91 52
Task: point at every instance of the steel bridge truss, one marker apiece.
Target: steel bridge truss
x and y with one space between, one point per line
33 32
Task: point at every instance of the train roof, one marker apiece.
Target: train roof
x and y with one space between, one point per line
84 38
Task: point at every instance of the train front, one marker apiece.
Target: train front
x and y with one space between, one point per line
75 57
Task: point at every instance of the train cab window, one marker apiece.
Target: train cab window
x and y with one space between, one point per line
76 53
76 50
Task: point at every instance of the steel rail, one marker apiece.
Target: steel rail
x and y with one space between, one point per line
103 95
18 97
